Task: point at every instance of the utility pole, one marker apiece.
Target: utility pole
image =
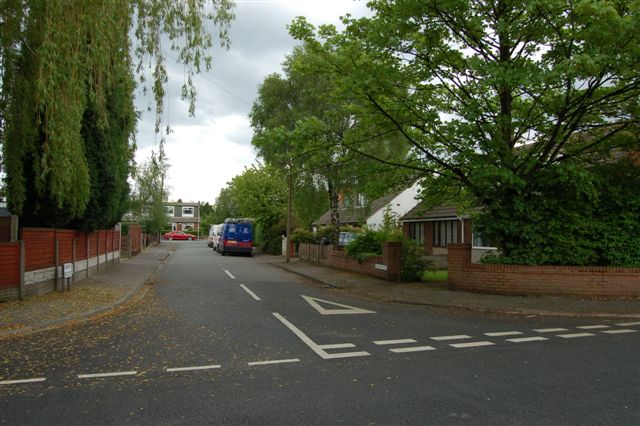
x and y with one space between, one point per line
290 178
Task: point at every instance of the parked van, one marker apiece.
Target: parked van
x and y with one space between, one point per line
212 232
236 236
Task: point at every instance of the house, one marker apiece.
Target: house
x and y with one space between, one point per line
399 203
438 227
183 216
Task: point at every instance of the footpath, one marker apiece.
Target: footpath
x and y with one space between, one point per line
111 288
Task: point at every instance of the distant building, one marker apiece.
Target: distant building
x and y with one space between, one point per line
183 216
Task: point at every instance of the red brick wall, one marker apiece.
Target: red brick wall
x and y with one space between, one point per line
391 258
586 281
10 265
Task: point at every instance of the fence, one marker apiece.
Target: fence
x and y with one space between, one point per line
586 281
36 263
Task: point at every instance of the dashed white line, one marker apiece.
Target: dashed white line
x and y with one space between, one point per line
593 327
574 335
194 368
337 346
229 274
111 374
527 339
413 349
277 361
628 324
620 331
251 293
393 342
471 344
550 330
503 333
21 381
457 337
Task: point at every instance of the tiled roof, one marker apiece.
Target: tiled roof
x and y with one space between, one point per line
357 215
441 212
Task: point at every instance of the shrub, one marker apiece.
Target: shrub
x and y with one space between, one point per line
301 235
366 245
414 261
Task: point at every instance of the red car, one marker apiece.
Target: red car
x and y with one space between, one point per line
178 235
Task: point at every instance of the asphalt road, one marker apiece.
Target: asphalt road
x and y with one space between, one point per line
233 340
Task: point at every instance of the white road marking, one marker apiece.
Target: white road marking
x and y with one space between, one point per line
194 368
252 294
574 335
112 374
527 339
337 346
312 345
393 342
277 361
627 324
471 344
20 381
413 349
503 333
620 331
550 330
346 309
592 327
457 337
229 274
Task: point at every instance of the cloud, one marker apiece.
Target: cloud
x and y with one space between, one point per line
208 150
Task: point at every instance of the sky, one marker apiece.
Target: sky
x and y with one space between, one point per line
208 150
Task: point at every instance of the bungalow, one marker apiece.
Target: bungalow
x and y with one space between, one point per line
438 227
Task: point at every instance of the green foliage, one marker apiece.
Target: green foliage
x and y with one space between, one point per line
572 216
150 194
414 261
302 235
501 111
66 103
366 245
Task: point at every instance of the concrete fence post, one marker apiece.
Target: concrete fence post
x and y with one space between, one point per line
86 236
22 272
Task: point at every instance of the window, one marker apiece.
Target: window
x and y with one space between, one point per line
416 232
478 241
187 226
169 210
187 211
445 232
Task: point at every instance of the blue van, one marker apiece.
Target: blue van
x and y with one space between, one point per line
236 236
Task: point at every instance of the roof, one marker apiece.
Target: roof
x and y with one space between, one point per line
421 212
357 215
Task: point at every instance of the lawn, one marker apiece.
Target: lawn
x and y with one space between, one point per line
435 276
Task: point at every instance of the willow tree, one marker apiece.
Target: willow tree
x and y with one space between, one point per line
68 70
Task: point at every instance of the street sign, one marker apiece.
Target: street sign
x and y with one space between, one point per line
67 271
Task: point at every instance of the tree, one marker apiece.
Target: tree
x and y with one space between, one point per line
505 104
151 192
67 89
298 124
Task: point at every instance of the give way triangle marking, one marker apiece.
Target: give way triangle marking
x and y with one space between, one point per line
345 309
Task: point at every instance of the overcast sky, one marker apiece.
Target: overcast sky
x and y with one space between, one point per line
208 150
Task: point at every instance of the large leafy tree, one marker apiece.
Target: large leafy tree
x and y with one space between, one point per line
66 105
506 104
151 192
300 124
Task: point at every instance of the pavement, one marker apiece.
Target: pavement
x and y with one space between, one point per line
112 288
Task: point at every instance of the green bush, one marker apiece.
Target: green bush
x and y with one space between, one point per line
301 235
366 245
414 261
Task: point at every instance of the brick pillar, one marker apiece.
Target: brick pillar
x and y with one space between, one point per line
392 258
428 237
459 257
